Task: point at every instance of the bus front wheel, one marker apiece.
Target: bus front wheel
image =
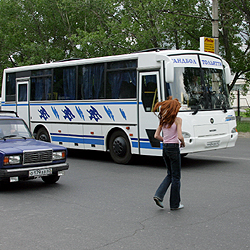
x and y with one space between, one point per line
42 135
119 147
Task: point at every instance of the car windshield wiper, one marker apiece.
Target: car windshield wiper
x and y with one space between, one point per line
10 136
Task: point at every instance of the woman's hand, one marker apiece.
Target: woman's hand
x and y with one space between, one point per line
158 134
178 122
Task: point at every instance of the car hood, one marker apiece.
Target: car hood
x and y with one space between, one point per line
17 146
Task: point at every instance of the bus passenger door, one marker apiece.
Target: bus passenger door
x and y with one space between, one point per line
149 95
22 100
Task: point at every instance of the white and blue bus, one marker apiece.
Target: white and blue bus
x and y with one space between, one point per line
106 103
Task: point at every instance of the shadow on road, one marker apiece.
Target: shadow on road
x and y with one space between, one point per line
146 161
189 162
25 186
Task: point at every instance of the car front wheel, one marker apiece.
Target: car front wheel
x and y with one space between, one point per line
51 179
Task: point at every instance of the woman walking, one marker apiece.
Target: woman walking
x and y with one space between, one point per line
172 140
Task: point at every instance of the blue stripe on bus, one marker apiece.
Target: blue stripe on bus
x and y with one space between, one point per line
144 143
147 145
97 140
147 140
94 141
84 103
8 105
81 136
67 139
20 104
80 103
77 140
135 144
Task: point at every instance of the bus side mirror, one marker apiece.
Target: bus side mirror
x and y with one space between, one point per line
228 76
169 70
169 67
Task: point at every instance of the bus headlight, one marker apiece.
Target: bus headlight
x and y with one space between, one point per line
186 135
234 130
59 155
12 159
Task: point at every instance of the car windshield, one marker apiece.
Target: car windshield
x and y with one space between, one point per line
200 88
13 128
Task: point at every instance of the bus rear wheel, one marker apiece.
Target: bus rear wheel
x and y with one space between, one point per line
119 147
42 135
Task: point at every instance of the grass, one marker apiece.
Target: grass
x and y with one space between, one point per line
242 114
243 126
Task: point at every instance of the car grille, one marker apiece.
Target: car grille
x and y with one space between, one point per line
37 156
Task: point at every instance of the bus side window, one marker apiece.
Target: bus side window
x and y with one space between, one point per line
121 84
127 90
40 88
11 87
64 83
149 92
91 81
22 92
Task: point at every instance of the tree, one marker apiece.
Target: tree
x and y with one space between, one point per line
41 31
235 37
37 31
133 25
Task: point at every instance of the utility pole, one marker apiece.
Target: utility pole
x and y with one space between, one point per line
215 26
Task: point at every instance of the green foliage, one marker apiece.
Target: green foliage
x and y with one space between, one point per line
247 113
234 36
243 126
41 31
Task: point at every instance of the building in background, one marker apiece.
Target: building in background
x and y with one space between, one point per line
244 98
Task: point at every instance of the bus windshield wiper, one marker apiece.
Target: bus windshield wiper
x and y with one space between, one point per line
224 108
196 110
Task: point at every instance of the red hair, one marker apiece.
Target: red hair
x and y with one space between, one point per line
168 111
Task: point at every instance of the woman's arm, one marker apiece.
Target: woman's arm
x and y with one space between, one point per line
158 134
178 122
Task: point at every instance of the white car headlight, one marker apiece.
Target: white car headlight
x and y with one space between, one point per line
12 159
59 155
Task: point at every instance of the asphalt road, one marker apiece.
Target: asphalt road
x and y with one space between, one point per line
102 205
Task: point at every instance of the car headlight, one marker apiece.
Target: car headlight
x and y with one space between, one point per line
59 155
12 159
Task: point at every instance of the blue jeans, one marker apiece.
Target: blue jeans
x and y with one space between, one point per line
172 159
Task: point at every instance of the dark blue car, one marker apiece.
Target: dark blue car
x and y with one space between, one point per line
23 158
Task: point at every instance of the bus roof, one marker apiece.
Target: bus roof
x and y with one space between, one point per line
132 56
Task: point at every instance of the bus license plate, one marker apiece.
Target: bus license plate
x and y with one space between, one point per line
213 144
40 172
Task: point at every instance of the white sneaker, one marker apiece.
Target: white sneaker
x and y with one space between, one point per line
177 208
158 202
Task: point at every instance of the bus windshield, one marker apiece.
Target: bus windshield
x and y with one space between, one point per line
200 88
